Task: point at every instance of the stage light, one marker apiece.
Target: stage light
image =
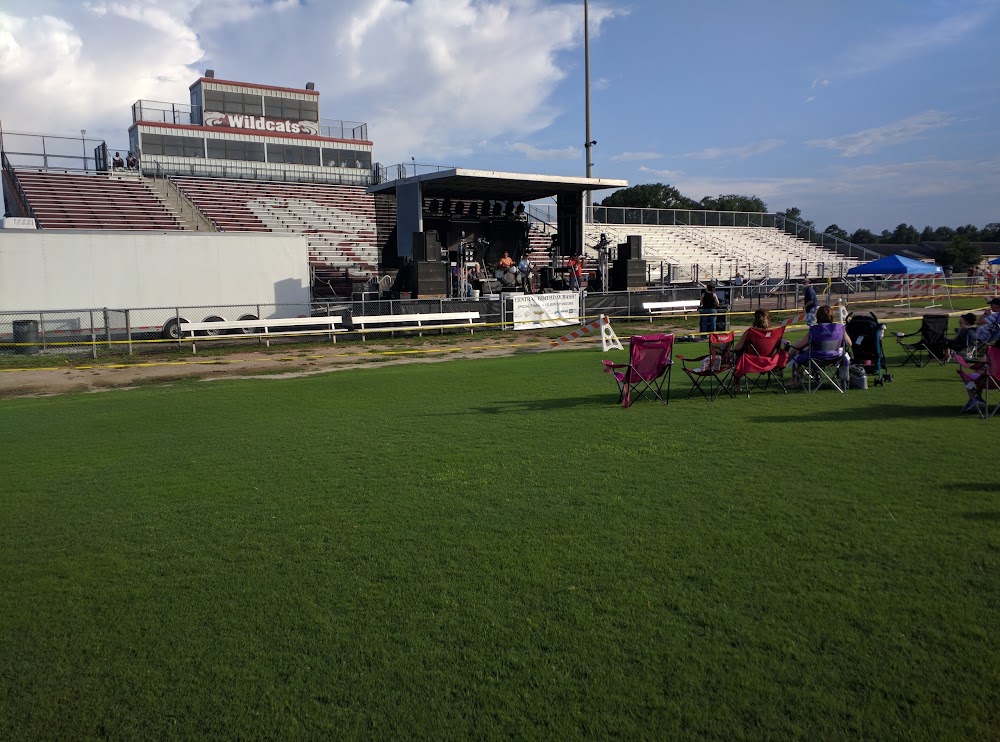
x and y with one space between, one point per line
434 206
509 210
459 208
519 210
446 206
474 209
497 208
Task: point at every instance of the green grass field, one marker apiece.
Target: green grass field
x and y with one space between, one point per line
493 548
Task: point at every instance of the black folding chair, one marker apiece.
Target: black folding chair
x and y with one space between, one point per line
932 342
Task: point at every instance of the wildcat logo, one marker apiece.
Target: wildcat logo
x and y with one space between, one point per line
260 123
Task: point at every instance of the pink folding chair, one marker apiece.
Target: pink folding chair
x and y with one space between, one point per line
648 367
981 377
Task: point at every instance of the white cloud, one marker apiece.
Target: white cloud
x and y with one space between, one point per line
810 99
900 45
670 174
867 141
633 156
437 79
537 153
736 153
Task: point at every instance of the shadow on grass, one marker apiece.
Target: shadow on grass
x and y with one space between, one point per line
984 515
874 412
546 405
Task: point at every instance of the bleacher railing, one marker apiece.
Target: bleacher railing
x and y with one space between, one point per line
162 112
388 173
15 184
51 152
823 239
196 167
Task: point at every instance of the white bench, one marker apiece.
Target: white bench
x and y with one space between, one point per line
419 321
656 308
262 328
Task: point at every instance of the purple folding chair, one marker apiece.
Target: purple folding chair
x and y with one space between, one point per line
648 367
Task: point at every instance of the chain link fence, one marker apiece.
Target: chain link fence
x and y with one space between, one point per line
107 332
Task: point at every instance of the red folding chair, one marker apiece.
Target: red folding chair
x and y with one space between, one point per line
647 369
762 360
713 368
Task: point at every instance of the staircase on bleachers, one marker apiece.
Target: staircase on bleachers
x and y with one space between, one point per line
337 220
99 201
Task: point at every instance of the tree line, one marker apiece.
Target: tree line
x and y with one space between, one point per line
957 249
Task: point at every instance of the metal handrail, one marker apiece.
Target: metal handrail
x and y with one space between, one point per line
22 197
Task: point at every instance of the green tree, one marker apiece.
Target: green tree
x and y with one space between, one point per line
905 234
795 214
734 202
837 231
969 230
942 234
650 196
959 253
990 233
864 237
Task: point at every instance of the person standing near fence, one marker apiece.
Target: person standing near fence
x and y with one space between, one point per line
810 301
708 308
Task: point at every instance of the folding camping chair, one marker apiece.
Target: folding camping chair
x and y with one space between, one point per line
763 359
826 350
713 367
982 377
933 342
648 366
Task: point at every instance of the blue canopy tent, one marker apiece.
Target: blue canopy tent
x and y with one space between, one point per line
995 261
894 264
897 265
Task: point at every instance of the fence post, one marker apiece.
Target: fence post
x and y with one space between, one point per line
93 336
128 329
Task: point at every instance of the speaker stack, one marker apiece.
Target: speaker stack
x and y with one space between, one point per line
430 273
427 247
629 269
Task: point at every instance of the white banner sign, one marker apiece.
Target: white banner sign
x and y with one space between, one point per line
536 311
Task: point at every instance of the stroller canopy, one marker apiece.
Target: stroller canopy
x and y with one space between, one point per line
892 264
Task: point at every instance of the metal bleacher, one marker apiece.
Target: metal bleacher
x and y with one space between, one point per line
61 200
337 220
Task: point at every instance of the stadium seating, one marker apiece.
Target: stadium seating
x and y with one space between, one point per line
719 251
76 201
337 220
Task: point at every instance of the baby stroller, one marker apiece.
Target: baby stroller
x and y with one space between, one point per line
866 333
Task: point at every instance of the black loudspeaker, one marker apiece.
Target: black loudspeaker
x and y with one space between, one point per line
431 279
426 247
628 274
631 249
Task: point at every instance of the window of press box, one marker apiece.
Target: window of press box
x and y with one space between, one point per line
238 103
347 158
171 146
288 108
292 154
227 149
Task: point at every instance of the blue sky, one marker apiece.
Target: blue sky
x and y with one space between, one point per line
861 114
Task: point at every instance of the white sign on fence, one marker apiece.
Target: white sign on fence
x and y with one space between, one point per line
536 311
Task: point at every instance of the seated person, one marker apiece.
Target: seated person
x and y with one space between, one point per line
825 341
761 320
118 163
131 162
506 262
965 335
988 325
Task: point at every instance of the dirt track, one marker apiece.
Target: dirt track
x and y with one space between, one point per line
78 375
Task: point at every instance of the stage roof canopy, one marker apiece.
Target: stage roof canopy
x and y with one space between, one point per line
493 185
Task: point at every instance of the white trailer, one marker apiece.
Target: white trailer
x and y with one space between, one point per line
146 282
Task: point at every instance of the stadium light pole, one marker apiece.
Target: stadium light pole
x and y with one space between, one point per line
586 82
83 142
